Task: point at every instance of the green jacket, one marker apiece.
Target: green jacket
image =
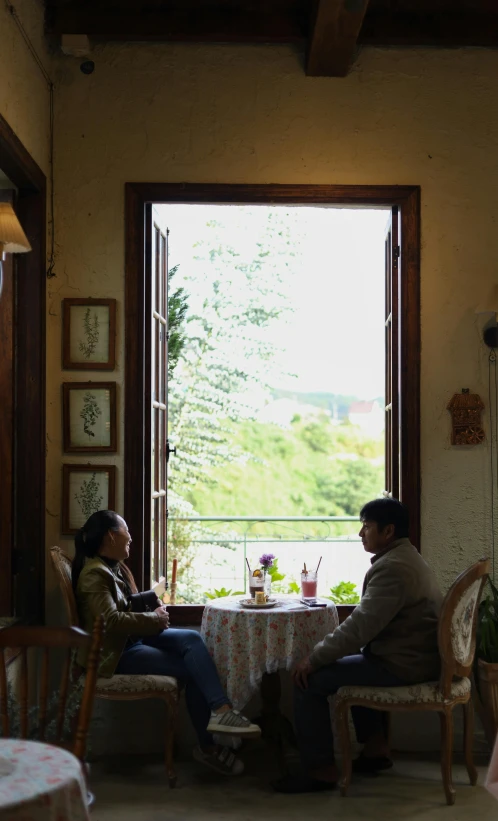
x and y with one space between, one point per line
396 621
101 592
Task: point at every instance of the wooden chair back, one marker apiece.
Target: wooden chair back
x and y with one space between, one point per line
458 624
52 710
63 565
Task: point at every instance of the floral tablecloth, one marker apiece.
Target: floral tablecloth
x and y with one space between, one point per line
39 782
247 643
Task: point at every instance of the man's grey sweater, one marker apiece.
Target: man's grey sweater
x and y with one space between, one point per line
397 619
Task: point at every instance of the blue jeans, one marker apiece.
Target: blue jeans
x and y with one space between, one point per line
182 654
312 711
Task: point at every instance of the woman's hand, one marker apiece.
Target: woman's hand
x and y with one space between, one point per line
163 616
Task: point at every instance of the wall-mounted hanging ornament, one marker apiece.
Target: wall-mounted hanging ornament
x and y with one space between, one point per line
466 409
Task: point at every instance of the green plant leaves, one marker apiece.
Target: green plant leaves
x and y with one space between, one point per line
344 593
487 626
273 572
220 594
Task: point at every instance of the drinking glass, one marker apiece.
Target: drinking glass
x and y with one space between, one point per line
256 583
309 583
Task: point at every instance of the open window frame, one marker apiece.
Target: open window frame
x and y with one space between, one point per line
403 448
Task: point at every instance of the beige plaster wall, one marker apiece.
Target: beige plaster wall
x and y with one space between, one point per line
24 96
226 114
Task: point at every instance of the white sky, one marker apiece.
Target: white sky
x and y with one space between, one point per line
334 340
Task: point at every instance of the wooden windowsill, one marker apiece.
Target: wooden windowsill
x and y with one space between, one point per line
190 615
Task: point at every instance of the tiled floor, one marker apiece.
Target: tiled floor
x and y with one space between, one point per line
134 788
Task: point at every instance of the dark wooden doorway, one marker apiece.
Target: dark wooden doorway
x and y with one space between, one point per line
22 385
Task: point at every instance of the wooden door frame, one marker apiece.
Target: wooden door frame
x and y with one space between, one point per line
28 514
137 195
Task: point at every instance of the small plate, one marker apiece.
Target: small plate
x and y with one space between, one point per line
251 604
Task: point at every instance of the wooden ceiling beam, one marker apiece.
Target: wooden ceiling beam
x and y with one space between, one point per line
178 25
333 35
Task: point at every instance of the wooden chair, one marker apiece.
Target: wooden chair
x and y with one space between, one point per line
124 687
457 641
52 719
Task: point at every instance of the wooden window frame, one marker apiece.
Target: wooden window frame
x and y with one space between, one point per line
156 424
22 551
137 195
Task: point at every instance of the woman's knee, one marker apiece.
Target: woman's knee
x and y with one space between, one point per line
190 638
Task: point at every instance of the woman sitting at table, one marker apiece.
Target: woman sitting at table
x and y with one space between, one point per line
143 643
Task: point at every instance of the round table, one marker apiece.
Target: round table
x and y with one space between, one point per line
250 646
245 643
39 782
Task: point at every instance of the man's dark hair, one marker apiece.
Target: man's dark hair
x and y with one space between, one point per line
388 512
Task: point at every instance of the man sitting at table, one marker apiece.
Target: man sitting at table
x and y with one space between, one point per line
389 640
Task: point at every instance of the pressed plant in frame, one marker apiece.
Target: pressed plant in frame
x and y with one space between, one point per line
90 412
89 416
89 498
86 489
91 331
89 334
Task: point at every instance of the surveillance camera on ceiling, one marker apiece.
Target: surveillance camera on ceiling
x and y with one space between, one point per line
87 67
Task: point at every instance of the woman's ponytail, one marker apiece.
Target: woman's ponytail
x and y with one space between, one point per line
89 538
79 556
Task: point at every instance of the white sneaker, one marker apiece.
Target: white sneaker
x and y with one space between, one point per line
222 760
232 723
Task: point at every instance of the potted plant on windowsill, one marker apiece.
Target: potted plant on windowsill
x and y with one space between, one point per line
486 662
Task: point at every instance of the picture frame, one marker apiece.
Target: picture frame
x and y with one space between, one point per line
89 417
86 489
89 334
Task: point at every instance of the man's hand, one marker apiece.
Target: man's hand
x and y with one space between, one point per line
163 615
301 672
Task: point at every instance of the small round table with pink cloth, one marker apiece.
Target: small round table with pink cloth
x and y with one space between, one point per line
39 782
247 643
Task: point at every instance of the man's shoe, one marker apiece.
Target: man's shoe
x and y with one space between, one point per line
301 784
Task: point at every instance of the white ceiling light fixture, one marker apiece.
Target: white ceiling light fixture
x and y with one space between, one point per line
13 240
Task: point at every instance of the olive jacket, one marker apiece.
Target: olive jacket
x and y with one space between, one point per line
100 591
396 622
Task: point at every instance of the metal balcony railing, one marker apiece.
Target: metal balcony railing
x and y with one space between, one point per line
213 551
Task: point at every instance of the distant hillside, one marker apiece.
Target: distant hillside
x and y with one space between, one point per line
312 469
336 403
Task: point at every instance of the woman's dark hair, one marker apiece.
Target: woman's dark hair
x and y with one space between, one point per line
388 512
89 538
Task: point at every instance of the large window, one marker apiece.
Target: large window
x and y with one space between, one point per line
146 339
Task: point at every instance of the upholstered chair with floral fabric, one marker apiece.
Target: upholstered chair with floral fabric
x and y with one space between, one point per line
457 641
121 687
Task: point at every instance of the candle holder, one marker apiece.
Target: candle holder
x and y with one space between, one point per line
172 593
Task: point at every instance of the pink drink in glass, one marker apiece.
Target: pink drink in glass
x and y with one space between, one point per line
309 584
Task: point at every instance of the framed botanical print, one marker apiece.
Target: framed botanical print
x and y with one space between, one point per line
86 489
89 417
89 334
